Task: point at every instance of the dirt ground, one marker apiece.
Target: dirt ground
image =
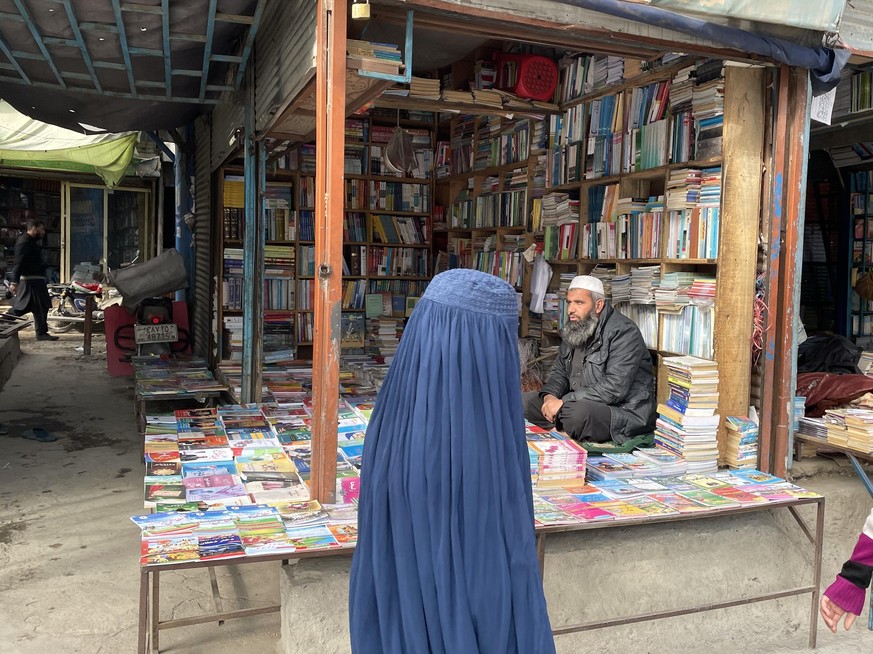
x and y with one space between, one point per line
68 551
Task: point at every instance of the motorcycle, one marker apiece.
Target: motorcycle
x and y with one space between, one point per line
142 286
69 304
69 301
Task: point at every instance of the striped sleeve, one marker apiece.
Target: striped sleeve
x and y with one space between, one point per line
850 587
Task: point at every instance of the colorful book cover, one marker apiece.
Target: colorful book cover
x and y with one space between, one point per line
312 538
621 510
679 503
345 534
740 496
705 498
220 546
651 506
160 551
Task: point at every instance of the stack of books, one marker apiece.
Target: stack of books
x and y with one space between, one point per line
601 467
556 460
813 427
865 363
859 430
374 57
799 410
383 337
687 423
669 464
741 448
835 421
424 87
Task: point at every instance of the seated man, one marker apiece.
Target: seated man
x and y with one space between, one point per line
600 387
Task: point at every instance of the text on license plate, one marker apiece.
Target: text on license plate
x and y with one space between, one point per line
165 333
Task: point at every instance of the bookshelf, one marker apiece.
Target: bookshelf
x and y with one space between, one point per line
280 251
859 321
387 234
20 200
650 180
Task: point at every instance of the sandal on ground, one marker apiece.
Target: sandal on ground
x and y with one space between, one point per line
39 434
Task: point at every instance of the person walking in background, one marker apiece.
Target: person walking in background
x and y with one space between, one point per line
446 558
845 597
29 289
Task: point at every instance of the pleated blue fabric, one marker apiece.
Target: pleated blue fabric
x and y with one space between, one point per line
446 556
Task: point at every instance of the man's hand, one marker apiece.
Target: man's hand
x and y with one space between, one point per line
831 613
13 288
551 406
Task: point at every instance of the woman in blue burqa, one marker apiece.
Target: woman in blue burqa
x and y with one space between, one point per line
446 559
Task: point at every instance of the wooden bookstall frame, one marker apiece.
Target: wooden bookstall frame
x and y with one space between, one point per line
734 402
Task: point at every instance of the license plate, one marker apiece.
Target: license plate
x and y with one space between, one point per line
164 333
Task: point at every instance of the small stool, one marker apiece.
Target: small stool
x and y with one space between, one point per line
528 76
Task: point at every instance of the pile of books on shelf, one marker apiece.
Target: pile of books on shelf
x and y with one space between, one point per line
604 274
179 376
851 428
865 362
373 57
681 92
708 109
556 460
799 410
560 222
383 337
644 462
741 446
816 427
642 498
233 329
424 88
687 423
265 451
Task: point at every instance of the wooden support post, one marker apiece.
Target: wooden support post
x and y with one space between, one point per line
90 306
329 194
786 247
738 240
253 252
794 207
769 414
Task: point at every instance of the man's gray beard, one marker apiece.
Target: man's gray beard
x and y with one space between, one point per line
576 333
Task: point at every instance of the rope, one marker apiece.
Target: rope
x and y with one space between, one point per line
761 312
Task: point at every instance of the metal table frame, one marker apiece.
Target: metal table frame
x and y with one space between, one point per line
150 623
816 539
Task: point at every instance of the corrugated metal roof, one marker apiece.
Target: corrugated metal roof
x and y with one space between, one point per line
856 29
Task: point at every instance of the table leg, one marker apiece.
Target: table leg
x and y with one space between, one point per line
156 612
143 611
216 595
861 474
89 324
541 554
816 572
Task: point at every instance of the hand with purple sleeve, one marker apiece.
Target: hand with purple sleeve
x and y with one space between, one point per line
846 595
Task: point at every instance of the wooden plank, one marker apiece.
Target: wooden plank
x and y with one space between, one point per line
329 194
792 251
738 240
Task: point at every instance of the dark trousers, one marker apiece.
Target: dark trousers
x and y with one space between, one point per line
582 420
32 297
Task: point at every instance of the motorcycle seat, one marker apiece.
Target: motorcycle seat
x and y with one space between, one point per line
83 287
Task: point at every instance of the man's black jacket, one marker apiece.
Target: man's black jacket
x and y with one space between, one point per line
613 368
27 261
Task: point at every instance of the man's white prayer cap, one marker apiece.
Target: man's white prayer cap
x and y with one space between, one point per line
588 283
